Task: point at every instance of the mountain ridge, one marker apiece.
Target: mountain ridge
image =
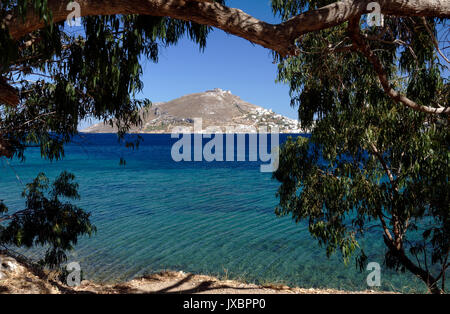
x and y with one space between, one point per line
218 109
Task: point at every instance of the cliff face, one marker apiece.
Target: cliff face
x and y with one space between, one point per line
216 107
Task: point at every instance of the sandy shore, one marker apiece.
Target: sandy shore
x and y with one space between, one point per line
17 276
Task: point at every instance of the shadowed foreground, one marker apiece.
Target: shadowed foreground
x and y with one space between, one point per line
17 277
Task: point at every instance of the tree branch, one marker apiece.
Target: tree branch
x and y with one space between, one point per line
365 49
8 94
277 37
16 214
280 38
435 42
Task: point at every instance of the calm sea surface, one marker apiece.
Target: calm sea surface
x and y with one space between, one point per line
212 218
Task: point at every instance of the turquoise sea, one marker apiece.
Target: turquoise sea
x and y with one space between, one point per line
211 218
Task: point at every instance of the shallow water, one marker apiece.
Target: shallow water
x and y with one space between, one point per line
212 218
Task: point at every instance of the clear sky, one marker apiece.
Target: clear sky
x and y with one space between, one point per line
228 62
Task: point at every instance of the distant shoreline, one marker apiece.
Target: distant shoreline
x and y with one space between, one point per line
191 133
215 109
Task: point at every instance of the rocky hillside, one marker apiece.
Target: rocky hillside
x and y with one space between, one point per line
215 107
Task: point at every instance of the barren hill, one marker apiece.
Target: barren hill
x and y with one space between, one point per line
215 107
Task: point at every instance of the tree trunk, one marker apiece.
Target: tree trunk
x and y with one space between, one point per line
424 275
8 94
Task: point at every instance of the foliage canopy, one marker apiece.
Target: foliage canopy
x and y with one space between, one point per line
368 162
64 76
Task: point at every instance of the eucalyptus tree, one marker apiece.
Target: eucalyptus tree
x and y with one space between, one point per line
376 101
370 164
21 18
51 79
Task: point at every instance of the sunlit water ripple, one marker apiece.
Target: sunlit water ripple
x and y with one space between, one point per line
210 218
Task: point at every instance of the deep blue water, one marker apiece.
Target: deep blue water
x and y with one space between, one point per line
213 218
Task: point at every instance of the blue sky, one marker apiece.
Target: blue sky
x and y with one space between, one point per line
228 62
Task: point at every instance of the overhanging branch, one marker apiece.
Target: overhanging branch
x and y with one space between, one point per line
279 37
362 46
8 94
